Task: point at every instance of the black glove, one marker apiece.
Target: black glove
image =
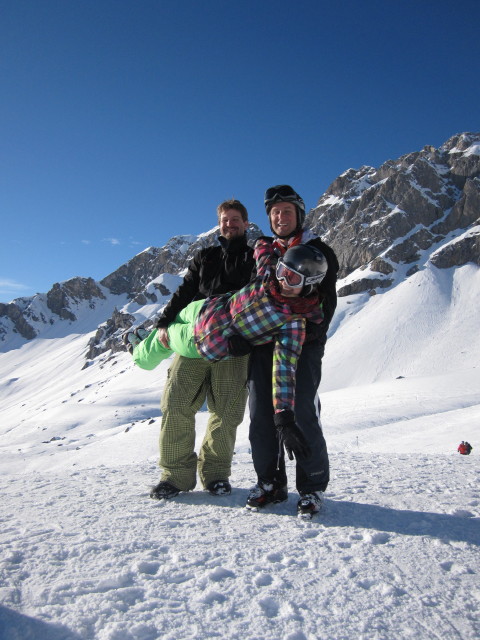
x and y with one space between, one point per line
290 435
238 346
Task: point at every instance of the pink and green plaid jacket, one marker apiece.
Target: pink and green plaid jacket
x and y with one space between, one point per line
257 316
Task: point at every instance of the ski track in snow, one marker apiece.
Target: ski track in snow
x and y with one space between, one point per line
393 555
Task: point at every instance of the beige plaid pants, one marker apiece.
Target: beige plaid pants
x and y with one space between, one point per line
190 382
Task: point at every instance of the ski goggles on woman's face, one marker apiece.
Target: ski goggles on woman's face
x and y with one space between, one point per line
291 277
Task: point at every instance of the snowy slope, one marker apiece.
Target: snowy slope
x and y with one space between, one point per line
86 554
426 324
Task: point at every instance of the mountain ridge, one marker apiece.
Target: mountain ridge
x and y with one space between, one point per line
385 224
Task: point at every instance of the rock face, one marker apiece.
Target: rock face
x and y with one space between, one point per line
134 276
62 295
107 337
458 253
387 217
13 312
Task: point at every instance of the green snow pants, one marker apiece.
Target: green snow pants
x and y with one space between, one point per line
190 382
150 352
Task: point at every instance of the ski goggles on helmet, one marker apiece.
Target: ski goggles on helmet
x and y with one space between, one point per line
283 193
291 277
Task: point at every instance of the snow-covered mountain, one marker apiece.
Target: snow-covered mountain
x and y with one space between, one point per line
85 554
385 225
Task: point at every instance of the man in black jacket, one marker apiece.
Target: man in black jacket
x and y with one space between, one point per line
212 271
286 212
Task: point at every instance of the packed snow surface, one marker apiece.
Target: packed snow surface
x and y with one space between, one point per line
86 554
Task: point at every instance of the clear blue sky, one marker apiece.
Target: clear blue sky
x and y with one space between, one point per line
125 122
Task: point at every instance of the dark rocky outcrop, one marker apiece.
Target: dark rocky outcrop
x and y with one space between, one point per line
364 284
14 313
390 216
107 337
60 296
457 254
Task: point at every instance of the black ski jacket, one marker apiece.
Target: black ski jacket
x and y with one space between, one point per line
212 271
328 288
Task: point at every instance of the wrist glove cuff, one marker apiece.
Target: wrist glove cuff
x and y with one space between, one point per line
238 346
283 418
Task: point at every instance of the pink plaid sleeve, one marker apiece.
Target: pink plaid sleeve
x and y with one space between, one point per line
288 345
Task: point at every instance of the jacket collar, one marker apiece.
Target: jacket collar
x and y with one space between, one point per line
233 245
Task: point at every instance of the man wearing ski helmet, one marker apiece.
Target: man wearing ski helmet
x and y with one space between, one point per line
286 212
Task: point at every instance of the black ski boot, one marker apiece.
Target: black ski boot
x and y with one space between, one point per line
262 494
309 504
164 491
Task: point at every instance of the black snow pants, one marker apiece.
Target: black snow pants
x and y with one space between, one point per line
312 472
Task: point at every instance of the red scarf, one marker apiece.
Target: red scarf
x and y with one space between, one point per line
300 305
282 244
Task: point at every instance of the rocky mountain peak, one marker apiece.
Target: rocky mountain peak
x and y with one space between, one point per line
382 218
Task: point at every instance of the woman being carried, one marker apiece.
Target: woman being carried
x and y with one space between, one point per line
273 307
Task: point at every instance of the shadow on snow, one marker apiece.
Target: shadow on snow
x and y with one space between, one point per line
16 626
358 515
